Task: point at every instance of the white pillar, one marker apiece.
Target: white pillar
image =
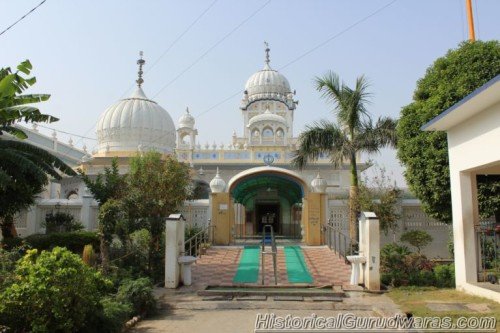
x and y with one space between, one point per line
464 203
31 227
174 246
85 211
369 237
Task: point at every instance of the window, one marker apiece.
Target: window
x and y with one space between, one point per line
267 133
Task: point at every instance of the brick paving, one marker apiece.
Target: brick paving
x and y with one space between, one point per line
219 266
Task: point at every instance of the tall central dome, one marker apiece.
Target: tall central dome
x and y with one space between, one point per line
135 124
267 82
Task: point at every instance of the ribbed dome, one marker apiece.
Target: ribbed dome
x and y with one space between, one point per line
267 81
186 120
135 123
266 117
217 184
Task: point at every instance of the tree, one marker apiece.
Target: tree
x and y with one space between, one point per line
110 185
417 238
156 187
110 213
425 154
23 167
354 133
488 196
382 197
107 189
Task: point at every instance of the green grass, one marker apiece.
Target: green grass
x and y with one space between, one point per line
414 300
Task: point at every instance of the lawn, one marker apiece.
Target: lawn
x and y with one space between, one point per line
415 300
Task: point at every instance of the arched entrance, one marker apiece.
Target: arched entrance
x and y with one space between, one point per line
267 196
261 195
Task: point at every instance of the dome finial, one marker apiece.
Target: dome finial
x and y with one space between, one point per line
187 109
267 52
141 63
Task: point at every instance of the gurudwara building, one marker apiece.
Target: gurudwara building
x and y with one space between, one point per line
242 186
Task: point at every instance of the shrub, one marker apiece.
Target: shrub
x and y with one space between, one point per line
445 275
88 255
139 293
417 238
61 222
111 319
73 241
8 259
400 267
53 292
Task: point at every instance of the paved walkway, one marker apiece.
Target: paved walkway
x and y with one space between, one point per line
184 311
187 312
219 266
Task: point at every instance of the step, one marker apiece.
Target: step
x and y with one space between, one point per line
271 291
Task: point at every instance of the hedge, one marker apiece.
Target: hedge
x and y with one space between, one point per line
74 241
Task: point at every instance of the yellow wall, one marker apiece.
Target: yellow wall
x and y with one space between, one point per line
313 215
222 212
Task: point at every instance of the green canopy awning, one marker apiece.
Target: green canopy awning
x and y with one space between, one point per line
248 187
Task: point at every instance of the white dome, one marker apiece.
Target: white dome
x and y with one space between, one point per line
319 184
186 120
135 123
217 184
267 81
266 117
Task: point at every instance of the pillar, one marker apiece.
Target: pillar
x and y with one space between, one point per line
464 203
174 246
313 217
369 247
221 213
85 211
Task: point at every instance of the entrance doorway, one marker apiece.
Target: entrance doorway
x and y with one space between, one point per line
266 196
268 214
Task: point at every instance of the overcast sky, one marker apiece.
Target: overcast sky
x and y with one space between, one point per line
84 53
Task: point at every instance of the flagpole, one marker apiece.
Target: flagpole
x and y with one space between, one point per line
470 18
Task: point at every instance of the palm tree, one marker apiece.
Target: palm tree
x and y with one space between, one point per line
23 167
354 133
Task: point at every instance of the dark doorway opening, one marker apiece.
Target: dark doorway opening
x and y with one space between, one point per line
268 214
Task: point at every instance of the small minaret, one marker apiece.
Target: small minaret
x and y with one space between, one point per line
186 129
141 63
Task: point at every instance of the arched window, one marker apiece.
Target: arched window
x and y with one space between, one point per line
267 132
280 133
255 133
186 139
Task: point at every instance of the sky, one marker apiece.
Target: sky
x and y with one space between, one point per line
199 54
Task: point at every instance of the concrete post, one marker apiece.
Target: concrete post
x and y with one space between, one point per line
174 246
369 238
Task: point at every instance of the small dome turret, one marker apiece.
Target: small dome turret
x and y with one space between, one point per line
217 184
186 120
319 184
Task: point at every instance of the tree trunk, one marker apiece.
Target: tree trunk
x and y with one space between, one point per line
353 200
353 212
104 248
8 227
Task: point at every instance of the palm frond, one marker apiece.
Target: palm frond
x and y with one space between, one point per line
323 137
18 133
38 154
376 136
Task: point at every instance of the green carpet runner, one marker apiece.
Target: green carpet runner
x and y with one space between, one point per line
248 269
296 266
